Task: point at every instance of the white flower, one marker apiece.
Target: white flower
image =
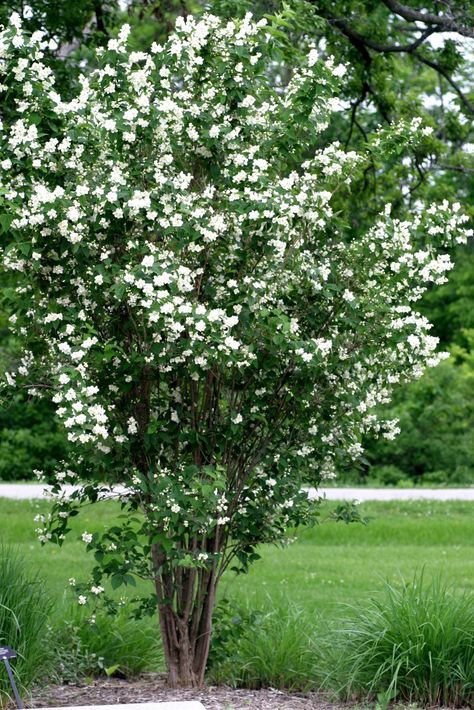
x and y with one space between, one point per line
313 57
339 70
82 599
248 101
148 260
87 537
132 425
414 341
73 214
237 419
231 343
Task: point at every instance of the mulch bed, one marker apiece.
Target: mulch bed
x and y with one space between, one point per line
150 687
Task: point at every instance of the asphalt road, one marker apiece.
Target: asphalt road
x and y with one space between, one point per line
25 491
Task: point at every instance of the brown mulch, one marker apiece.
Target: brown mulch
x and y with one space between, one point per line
150 687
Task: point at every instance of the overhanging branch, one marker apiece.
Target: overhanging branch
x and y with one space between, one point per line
442 22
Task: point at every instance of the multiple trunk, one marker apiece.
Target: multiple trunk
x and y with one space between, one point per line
185 613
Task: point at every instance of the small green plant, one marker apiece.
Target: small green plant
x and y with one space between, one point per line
275 648
231 623
24 610
416 644
84 645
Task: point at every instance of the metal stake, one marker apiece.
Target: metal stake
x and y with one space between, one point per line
5 653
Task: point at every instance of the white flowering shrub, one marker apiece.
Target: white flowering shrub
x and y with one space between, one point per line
212 336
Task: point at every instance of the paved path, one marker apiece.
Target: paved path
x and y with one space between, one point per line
25 491
363 494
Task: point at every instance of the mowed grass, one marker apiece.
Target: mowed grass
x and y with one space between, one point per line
330 564
334 563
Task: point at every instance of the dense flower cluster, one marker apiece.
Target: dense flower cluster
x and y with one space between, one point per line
212 336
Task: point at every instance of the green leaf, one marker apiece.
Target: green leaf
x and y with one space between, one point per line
5 222
112 669
116 581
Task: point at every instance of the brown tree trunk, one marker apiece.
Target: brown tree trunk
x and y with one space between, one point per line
185 666
185 631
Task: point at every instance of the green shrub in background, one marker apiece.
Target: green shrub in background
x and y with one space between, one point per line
29 438
415 644
22 450
387 475
24 611
436 413
84 646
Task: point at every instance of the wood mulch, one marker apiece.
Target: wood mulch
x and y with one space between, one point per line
150 687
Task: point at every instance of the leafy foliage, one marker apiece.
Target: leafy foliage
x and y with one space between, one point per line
83 646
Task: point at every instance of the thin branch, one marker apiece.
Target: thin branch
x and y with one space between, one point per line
362 44
456 168
447 24
354 106
437 67
352 34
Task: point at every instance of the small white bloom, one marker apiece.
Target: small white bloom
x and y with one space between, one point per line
132 426
148 260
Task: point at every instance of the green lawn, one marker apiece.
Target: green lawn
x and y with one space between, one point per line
336 563
328 565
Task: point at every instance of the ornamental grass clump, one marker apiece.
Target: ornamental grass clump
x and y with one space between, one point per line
277 648
24 611
415 644
188 293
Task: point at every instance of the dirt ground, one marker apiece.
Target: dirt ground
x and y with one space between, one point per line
150 688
